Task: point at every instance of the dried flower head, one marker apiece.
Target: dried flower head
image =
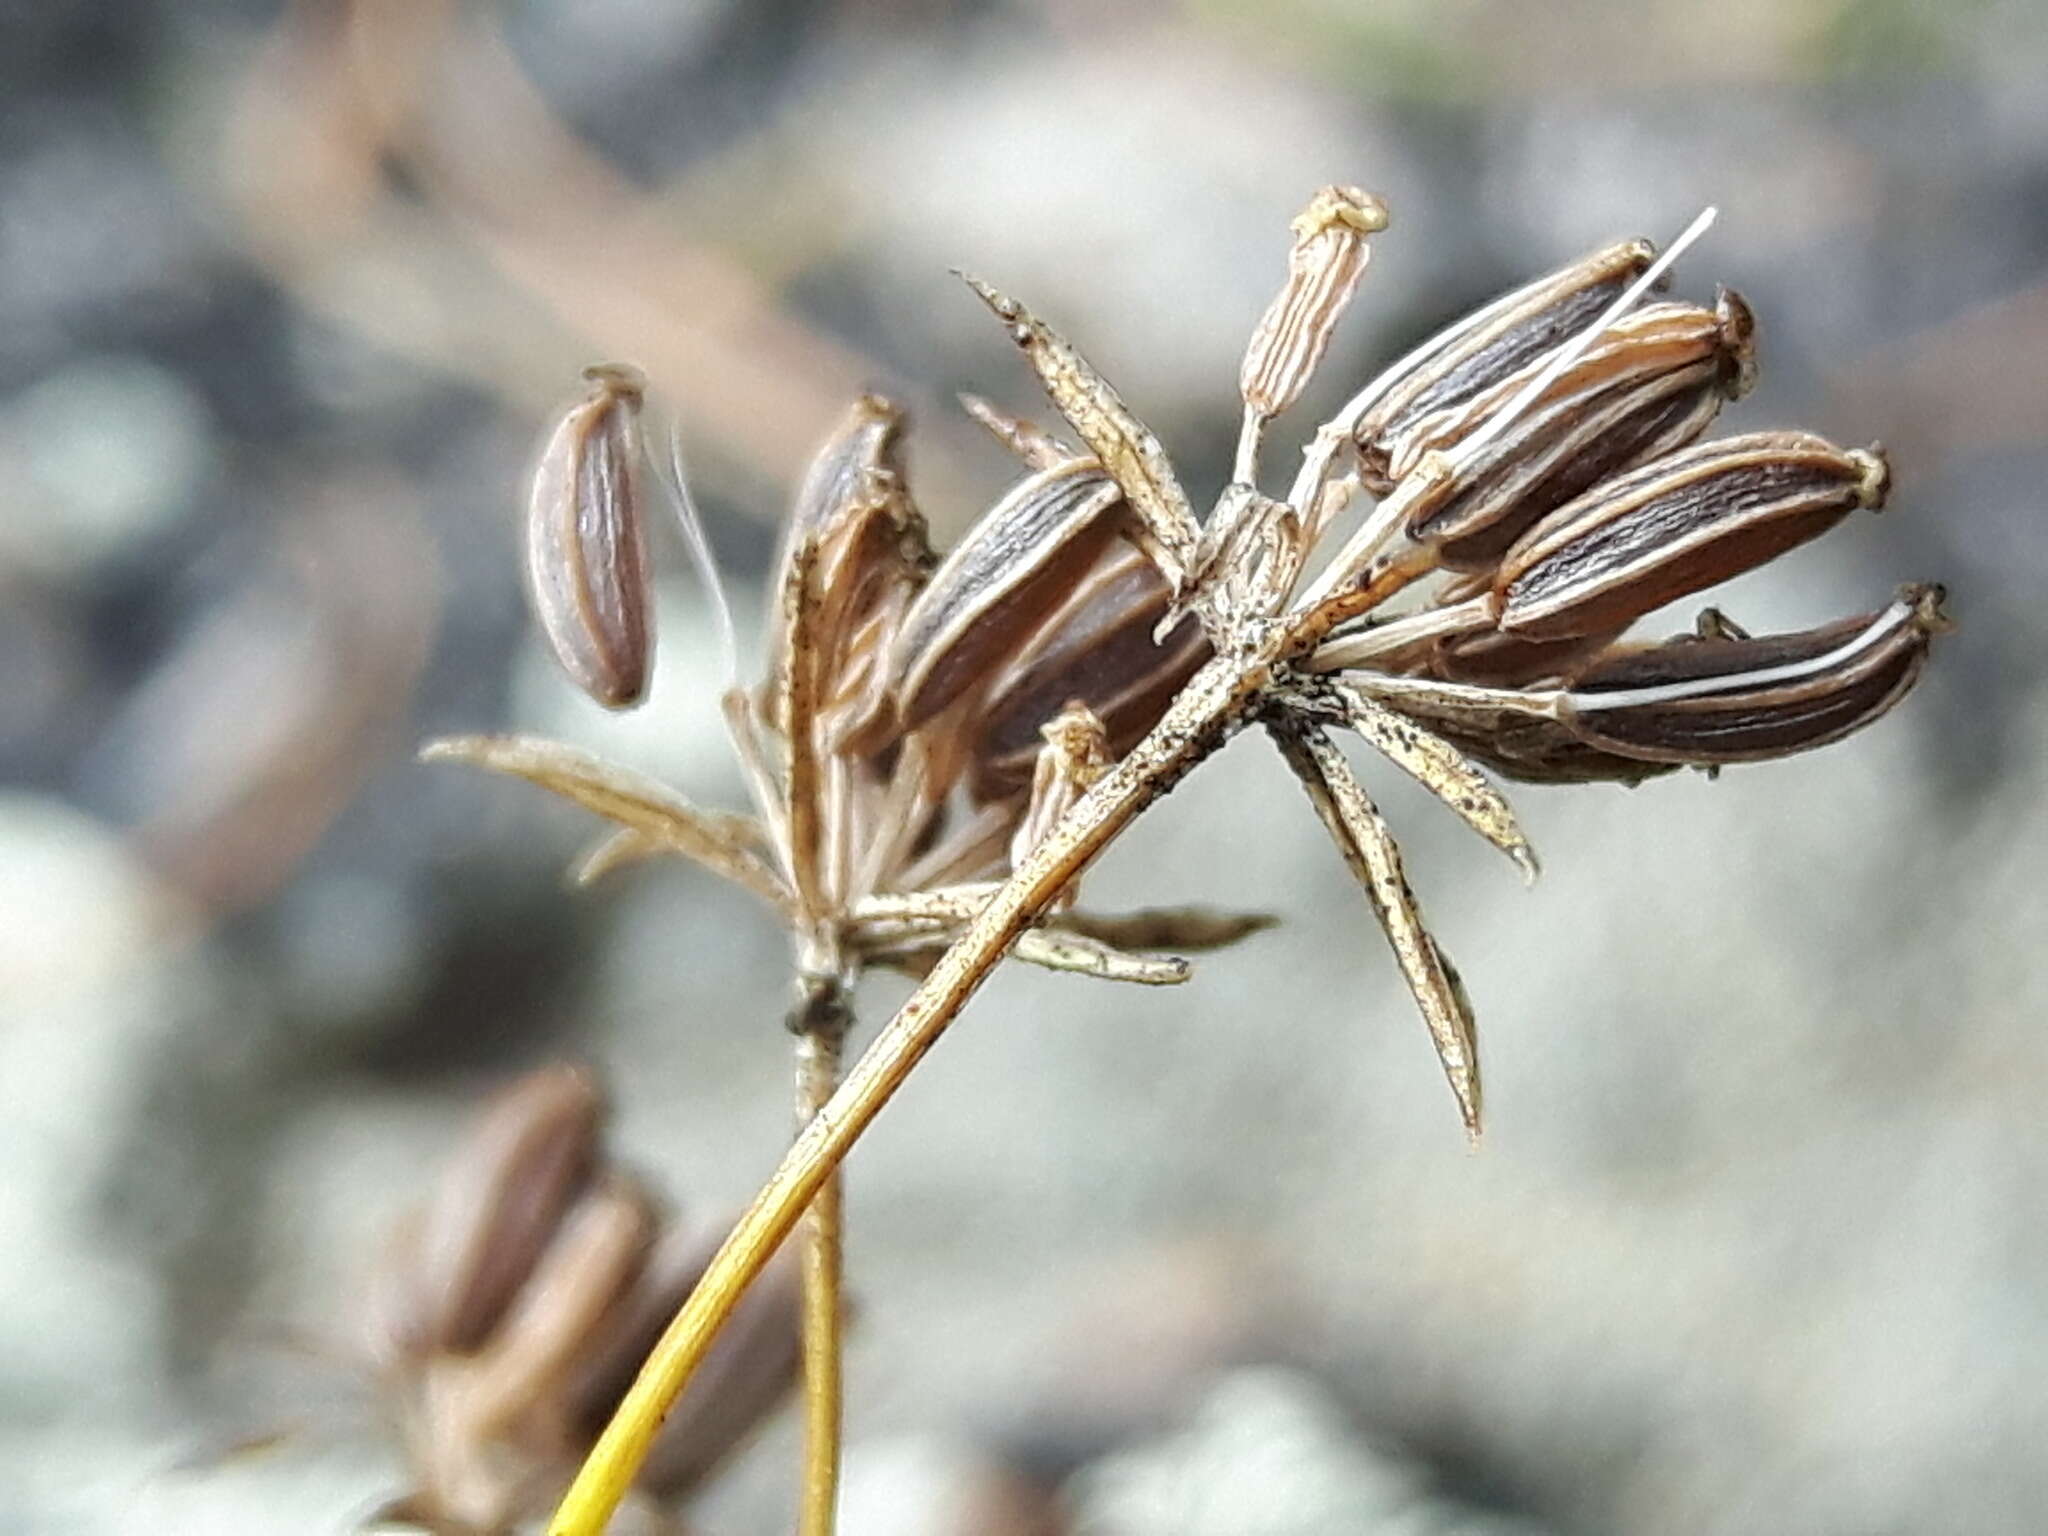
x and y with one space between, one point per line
1538 484
514 1304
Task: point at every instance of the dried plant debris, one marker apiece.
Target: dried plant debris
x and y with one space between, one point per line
943 747
513 1305
921 722
1542 478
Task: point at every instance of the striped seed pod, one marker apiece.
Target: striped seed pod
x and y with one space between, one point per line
497 1208
872 554
1676 526
1328 258
1097 647
1653 382
1493 659
1531 749
1736 699
1492 343
586 543
990 594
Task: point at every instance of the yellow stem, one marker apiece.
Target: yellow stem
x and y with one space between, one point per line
1212 704
817 1054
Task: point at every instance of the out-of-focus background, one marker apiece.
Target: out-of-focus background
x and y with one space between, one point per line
1756 1241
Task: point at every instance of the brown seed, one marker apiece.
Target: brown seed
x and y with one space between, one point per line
586 554
1733 699
1096 647
1498 660
1489 345
1652 383
990 594
1329 257
499 1202
1530 750
1676 526
872 554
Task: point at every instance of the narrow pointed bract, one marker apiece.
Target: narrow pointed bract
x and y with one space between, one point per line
727 844
1368 847
1440 768
1124 445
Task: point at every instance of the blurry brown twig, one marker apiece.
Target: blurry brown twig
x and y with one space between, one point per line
522 252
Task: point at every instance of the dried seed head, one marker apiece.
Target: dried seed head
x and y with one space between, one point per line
1329 257
586 549
1651 384
1728 698
1676 526
992 592
498 1205
1489 345
1099 647
557 1273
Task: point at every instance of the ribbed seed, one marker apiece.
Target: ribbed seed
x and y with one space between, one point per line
1740 699
1678 525
1654 381
586 550
1489 345
992 591
871 556
500 1202
1096 647
1328 258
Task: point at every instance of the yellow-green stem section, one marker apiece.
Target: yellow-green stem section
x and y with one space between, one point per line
1209 707
818 1054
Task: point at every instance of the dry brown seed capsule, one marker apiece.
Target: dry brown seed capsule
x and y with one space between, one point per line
1651 384
586 544
1097 647
1678 525
991 592
1717 699
1517 329
587 1270
1492 659
500 1201
872 554
1532 750
1323 268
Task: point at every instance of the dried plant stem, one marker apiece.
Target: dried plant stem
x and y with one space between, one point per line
820 1040
1212 705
